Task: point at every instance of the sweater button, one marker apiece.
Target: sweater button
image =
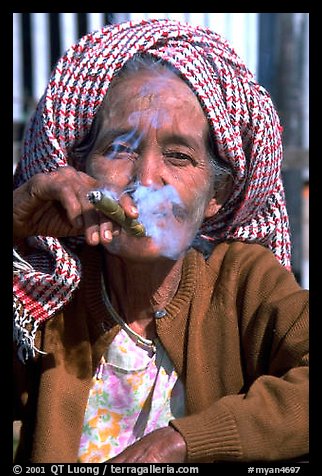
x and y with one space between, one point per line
159 314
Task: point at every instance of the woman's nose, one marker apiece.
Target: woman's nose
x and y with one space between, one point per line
149 170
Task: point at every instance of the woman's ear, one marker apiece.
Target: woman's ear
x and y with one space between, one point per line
212 208
220 196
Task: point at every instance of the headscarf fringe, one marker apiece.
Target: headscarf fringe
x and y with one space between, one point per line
20 264
24 332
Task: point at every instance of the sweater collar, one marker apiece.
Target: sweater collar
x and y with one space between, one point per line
92 266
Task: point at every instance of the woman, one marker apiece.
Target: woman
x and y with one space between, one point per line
188 343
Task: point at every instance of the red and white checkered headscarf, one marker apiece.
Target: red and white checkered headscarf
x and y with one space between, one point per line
240 113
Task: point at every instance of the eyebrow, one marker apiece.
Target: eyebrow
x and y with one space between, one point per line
132 135
108 134
182 139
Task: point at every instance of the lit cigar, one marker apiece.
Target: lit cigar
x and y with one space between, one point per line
115 212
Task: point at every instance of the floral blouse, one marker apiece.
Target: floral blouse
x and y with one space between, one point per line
135 391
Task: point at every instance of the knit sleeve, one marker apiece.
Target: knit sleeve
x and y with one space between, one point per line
268 419
269 422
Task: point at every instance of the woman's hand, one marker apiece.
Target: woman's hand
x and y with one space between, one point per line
164 445
56 204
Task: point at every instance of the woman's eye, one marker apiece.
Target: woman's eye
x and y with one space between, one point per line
179 158
119 151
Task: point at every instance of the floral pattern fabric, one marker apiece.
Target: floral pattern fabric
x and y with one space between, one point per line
135 391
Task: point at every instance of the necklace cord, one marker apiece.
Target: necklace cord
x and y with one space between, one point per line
135 336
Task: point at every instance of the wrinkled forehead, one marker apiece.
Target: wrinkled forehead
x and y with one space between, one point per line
151 87
152 101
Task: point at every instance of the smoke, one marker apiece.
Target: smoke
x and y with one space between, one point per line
163 214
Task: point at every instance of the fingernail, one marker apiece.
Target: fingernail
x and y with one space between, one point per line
95 237
108 235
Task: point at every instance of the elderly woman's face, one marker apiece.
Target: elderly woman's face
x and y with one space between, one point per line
153 145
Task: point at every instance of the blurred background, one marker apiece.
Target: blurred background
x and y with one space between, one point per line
274 46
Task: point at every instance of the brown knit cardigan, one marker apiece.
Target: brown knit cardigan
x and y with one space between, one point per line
237 333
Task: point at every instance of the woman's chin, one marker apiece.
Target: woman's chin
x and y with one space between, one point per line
145 248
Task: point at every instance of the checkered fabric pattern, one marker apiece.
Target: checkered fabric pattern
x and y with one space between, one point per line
241 116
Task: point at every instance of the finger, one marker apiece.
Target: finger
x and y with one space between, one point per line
98 228
66 186
107 231
76 202
71 202
128 206
91 226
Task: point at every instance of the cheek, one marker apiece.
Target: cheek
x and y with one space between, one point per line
197 210
197 190
114 172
